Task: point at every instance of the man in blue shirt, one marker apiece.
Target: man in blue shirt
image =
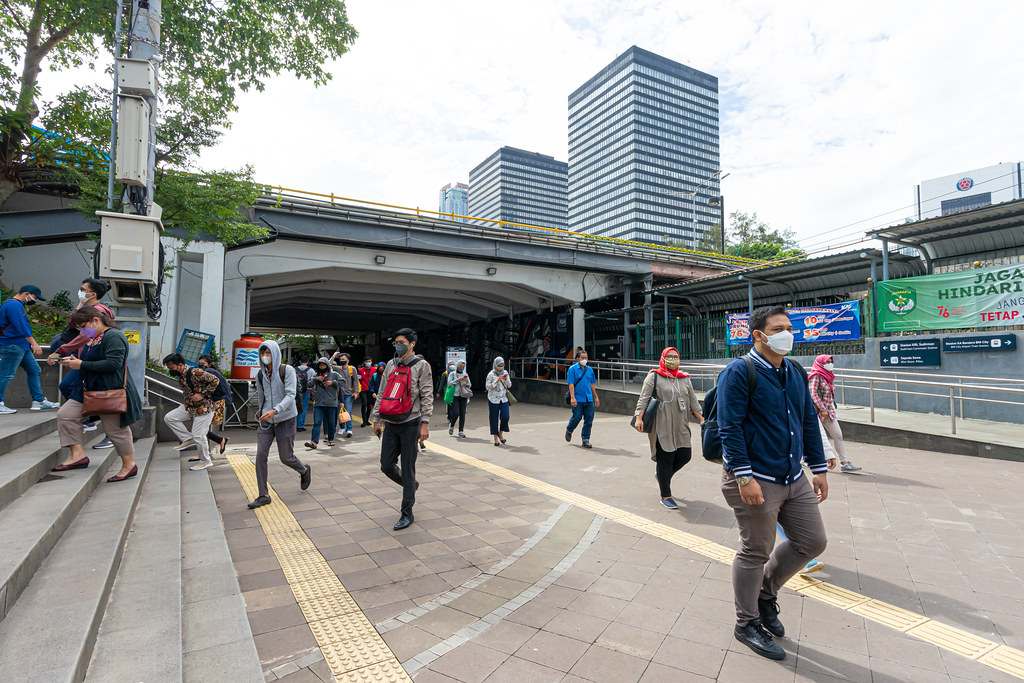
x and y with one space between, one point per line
765 433
582 397
17 348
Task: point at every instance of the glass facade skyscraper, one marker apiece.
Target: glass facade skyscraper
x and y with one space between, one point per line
520 187
455 200
643 128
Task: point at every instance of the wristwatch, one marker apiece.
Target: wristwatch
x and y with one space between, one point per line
744 480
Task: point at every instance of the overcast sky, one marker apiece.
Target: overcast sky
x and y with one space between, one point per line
830 113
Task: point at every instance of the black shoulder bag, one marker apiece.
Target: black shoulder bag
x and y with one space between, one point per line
568 396
651 411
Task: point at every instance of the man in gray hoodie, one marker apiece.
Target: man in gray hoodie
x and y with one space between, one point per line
275 394
404 432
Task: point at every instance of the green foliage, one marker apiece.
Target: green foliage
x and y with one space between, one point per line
62 301
211 51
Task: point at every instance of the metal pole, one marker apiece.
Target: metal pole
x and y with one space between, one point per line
960 381
750 297
625 324
113 110
952 410
664 300
721 206
896 384
871 392
885 260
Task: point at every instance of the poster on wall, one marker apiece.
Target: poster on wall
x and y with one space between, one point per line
982 297
455 354
828 322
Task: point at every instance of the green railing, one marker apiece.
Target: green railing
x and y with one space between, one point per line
696 338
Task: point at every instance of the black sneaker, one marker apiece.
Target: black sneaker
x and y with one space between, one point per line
769 609
758 640
568 435
305 478
260 502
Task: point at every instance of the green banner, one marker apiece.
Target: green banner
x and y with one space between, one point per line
981 297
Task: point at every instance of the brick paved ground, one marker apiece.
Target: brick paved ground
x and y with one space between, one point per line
496 581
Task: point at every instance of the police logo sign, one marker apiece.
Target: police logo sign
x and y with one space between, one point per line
965 184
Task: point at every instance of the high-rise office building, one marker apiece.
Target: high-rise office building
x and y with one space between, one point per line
455 200
968 190
641 130
523 187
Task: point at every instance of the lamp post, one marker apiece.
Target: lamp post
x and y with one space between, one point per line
693 201
719 201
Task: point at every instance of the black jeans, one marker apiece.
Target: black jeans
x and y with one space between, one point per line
457 411
669 464
401 443
367 405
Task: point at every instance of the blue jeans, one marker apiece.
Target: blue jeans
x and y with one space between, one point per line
11 357
327 417
498 414
301 422
584 410
347 426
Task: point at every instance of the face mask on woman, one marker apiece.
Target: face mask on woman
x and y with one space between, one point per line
88 332
265 359
672 363
829 366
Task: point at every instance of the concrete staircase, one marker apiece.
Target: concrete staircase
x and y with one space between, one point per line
91 573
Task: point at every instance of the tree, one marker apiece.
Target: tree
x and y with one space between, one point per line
711 240
752 238
210 52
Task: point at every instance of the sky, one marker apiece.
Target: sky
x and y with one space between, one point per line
830 112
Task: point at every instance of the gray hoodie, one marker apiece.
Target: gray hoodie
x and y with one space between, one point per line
325 396
271 392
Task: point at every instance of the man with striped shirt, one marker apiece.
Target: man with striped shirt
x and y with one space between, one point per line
766 431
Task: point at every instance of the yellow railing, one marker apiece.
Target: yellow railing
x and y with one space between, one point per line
270 191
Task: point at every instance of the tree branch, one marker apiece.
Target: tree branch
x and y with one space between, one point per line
15 15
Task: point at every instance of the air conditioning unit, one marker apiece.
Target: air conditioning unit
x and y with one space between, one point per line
129 254
131 163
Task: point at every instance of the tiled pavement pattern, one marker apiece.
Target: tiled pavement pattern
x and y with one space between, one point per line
937 534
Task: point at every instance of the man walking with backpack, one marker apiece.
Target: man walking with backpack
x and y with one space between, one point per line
275 395
768 424
404 405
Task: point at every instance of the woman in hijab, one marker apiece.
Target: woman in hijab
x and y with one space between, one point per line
670 438
463 391
497 384
442 386
821 382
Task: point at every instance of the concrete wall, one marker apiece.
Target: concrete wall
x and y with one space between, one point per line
17 395
52 267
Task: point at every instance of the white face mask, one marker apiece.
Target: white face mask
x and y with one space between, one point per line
583 362
780 342
829 366
266 359
83 296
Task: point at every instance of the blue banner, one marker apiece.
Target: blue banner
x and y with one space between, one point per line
829 322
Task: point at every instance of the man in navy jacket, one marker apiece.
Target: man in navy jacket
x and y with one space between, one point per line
765 434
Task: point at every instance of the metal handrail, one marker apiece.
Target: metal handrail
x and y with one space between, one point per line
870 381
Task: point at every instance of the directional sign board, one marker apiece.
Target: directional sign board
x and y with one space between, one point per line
989 342
910 352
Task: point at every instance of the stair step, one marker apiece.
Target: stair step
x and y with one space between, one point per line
25 426
140 636
31 525
49 633
22 467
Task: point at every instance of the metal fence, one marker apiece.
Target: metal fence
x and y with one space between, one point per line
963 397
693 337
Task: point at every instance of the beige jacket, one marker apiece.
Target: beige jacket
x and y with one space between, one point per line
422 389
672 427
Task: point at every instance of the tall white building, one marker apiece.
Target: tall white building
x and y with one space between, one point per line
969 190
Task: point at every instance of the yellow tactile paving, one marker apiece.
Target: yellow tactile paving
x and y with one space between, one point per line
351 646
1006 659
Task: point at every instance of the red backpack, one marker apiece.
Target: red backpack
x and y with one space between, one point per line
396 399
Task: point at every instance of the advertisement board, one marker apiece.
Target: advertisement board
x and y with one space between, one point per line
455 354
828 322
981 297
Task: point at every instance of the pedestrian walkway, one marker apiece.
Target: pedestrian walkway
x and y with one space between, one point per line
544 561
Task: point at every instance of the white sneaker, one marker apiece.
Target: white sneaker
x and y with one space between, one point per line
90 427
185 444
44 405
4 410
201 466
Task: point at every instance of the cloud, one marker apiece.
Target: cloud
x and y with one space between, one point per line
831 113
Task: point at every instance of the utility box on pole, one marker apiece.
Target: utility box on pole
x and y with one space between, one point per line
131 164
136 77
129 254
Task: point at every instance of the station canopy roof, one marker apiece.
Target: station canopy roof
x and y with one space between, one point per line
797 280
978 231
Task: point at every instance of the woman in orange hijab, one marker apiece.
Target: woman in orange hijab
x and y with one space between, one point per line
670 437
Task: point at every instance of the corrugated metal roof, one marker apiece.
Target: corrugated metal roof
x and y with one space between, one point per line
978 231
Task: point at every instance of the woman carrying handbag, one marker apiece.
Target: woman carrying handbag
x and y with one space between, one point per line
670 435
106 390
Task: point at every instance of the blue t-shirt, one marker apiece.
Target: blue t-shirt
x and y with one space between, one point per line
583 389
14 324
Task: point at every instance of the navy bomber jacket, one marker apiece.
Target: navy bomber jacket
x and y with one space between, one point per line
766 434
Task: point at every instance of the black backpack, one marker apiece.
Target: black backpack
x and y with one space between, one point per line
710 439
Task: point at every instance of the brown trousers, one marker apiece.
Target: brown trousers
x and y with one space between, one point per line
759 571
69 428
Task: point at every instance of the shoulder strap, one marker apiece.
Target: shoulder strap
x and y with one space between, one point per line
751 375
798 367
582 375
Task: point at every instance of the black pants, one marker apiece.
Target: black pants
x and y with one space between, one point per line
367 405
401 443
457 411
669 464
